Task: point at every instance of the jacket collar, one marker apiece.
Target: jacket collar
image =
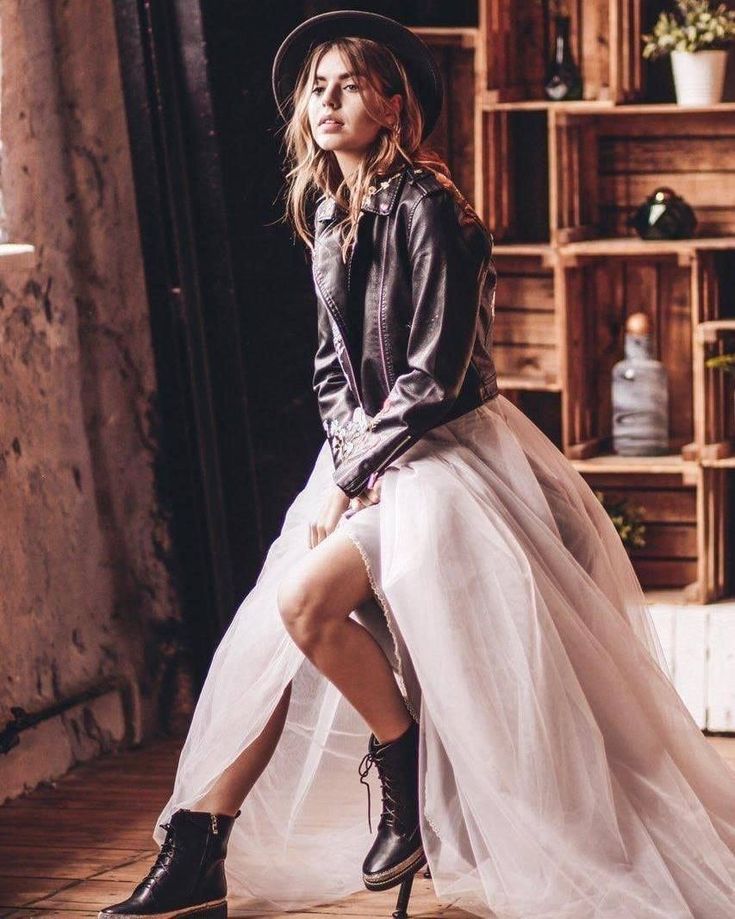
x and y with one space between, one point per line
382 199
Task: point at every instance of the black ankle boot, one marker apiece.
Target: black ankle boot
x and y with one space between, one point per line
397 851
188 877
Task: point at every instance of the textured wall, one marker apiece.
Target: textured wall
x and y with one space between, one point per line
83 548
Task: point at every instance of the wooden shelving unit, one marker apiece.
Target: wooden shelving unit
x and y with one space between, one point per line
555 183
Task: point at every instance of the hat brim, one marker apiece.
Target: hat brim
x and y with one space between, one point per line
411 50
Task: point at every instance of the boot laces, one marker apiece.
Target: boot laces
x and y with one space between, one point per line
390 813
164 857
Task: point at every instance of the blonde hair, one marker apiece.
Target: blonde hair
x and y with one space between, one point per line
314 171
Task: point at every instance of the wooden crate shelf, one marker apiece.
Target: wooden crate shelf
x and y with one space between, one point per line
514 193
684 250
456 133
714 395
612 463
606 107
527 330
516 44
688 543
555 183
604 164
597 293
451 36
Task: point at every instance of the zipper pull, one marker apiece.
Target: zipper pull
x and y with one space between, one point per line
213 818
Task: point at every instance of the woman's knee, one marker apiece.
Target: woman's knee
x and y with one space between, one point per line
303 609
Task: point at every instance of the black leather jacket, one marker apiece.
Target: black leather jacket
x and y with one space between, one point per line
405 327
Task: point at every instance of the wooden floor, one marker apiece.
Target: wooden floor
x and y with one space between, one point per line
70 849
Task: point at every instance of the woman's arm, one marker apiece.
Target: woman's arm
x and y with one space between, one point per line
335 399
447 280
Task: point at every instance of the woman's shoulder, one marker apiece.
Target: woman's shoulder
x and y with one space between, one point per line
430 195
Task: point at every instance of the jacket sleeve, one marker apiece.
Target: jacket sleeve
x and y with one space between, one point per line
339 410
446 277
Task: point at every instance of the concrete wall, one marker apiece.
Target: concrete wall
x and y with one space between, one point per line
87 596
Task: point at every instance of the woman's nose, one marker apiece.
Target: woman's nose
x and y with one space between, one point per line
330 95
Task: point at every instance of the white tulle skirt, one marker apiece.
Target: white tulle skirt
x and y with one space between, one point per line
562 777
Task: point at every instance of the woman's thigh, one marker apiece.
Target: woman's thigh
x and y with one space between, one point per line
329 582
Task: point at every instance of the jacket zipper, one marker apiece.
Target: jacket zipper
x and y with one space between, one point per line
215 830
340 325
380 320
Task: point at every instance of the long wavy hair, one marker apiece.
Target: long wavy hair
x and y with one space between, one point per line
313 171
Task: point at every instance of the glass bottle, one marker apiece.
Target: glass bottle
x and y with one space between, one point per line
563 80
640 396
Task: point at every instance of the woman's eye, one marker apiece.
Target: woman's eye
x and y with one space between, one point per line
346 86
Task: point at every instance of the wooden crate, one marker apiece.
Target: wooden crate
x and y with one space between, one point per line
606 161
513 153
526 332
714 393
555 183
685 507
598 296
455 134
600 287
517 46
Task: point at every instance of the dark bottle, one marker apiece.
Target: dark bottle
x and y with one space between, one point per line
563 79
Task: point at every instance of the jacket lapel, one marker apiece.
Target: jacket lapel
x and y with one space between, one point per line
331 274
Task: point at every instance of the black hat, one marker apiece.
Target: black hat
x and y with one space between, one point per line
413 53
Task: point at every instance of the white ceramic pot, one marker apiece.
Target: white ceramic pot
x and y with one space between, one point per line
699 76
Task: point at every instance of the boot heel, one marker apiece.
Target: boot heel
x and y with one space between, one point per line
404 895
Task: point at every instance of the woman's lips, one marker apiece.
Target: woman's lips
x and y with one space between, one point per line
331 125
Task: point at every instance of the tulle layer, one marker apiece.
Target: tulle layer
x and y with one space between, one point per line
562 777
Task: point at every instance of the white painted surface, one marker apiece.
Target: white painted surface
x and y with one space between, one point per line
699 643
721 688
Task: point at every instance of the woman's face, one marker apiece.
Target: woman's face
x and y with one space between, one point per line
338 118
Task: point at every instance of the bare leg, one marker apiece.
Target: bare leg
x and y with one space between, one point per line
231 788
315 602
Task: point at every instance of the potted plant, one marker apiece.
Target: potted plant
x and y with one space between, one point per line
697 36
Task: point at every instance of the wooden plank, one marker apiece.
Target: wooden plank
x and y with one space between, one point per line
699 189
674 507
669 117
525 291
666 540
531 327
537 361
645 155
634 246
665 572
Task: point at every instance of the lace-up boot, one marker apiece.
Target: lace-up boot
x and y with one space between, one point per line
188 876
397 851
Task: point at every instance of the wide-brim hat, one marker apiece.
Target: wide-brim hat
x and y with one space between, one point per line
411 50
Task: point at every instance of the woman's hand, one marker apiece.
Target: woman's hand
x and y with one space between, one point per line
366 497
335 504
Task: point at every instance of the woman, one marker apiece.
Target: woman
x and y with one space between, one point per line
445 589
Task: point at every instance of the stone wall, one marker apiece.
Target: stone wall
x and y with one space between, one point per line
87 603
